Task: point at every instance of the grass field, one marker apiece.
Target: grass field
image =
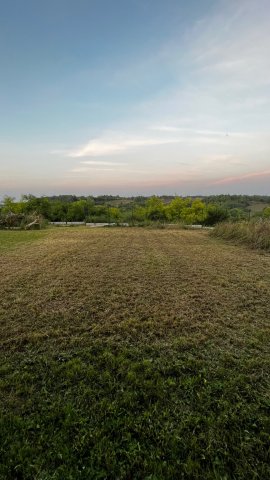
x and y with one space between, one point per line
133 354
10 239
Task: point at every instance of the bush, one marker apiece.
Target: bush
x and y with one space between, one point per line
215 214
256 234
21 221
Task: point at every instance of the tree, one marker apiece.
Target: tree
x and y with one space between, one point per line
139 215
59 211
115 214
176 207
236 214
266 212
156 209
10 206
99 213
196 213
41 206
215 214
77 211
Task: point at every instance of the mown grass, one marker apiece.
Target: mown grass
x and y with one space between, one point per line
134 354
256 234
12 238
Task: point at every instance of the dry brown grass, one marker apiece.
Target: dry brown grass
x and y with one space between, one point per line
77 283
255 234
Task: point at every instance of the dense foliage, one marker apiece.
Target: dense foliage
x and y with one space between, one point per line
134 210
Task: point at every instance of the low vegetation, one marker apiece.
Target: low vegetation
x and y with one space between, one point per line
133 354
256 234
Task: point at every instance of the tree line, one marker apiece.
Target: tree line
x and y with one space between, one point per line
109 209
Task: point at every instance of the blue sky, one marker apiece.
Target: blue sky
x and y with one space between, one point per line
135 97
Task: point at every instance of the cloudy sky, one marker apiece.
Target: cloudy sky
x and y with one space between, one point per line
135 96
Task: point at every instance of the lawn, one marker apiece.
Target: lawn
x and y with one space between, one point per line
133 354
10 239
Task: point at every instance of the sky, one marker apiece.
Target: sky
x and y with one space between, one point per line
134 97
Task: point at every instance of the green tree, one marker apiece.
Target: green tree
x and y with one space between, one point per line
99 213
139 215
115 214
215 214
10 206
77 211
236 214
266 212
176 207
41 206
156 210
59 211
196 213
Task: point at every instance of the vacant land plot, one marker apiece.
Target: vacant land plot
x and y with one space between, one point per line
133 354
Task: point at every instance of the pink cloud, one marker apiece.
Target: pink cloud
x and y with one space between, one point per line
239 178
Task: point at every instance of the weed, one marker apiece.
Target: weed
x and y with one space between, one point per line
255 234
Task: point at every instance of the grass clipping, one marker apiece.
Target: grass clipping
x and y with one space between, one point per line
254 234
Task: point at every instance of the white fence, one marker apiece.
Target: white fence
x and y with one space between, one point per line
89 224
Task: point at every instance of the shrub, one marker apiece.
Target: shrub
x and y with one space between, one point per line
256 234
19 221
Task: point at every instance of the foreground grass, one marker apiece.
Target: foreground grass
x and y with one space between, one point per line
256 234
10 239
134 354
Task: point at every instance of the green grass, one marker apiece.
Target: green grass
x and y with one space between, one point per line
133 412
256 234
10 239
134 354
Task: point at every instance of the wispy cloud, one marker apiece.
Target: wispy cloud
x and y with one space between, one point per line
239 178
196 132
108 145
87 169
101 163
118 143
